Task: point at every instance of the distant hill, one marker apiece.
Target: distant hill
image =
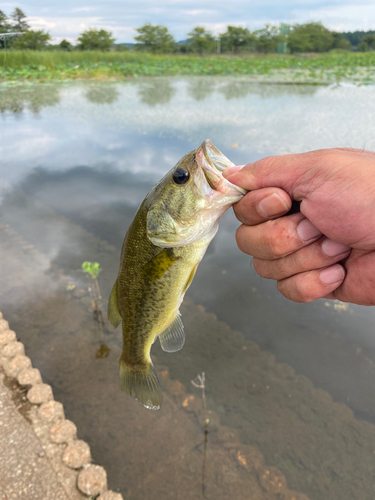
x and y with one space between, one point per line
129 45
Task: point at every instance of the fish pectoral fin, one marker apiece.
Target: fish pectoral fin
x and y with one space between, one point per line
190 278
159 265
113 312
142 385
172 339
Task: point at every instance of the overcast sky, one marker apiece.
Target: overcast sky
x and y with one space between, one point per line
68 18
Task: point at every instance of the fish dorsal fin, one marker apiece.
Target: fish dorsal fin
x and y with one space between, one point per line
160 264
172 339
113 312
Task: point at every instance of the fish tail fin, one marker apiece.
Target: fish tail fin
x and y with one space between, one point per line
142 384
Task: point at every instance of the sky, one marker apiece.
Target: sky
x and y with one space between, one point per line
69 18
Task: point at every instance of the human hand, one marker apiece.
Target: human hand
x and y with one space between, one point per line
326 250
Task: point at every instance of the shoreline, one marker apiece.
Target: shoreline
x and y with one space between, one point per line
39 442
103 66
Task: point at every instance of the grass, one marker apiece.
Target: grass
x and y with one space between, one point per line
60 65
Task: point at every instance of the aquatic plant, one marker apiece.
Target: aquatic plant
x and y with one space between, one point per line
202 385
60 65
93 269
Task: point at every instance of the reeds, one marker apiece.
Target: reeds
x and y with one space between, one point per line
49 65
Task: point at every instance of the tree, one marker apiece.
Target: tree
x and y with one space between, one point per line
32 40
94 39
65 45
310 37
268 38
362 47
201 40
18 17
4 24
356 37
236 38
5 27
339 42
155 38
369 40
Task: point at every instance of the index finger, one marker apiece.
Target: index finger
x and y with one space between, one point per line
297 174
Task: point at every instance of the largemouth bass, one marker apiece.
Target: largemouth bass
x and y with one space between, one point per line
160 255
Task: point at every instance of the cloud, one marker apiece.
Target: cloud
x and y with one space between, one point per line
67 20
200 12
70 28
348 17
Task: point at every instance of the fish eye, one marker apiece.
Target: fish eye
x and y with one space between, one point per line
181 176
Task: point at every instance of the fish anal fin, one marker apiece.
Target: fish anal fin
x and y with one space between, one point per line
172 339
141 384
160 264
113 312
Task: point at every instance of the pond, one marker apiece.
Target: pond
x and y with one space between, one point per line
289 387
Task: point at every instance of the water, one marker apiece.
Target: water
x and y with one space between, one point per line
289 387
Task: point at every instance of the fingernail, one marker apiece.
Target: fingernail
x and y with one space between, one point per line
272 205
307 231
332 248
332 274
232 170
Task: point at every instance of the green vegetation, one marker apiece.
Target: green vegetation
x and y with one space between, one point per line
32 40
236 39
93 39
59 65
356 37
267 39
155 39
298 38
328 55
91 268
200 40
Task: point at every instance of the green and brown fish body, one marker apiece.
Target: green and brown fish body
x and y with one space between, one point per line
161 252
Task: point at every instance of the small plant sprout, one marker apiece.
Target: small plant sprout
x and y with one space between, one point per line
93 269
201 384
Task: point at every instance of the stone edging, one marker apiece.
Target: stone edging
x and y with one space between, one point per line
69 456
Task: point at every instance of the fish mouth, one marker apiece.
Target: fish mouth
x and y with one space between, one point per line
213 164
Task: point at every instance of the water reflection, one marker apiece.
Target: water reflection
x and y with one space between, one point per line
156 91
33 98
103 94
200 89
239 89
273 427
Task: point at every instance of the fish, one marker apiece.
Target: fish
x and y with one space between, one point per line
160 254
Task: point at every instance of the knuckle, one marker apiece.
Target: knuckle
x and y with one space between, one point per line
295 289
262 267
241 238
275 244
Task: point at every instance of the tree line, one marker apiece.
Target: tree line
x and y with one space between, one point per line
307 37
